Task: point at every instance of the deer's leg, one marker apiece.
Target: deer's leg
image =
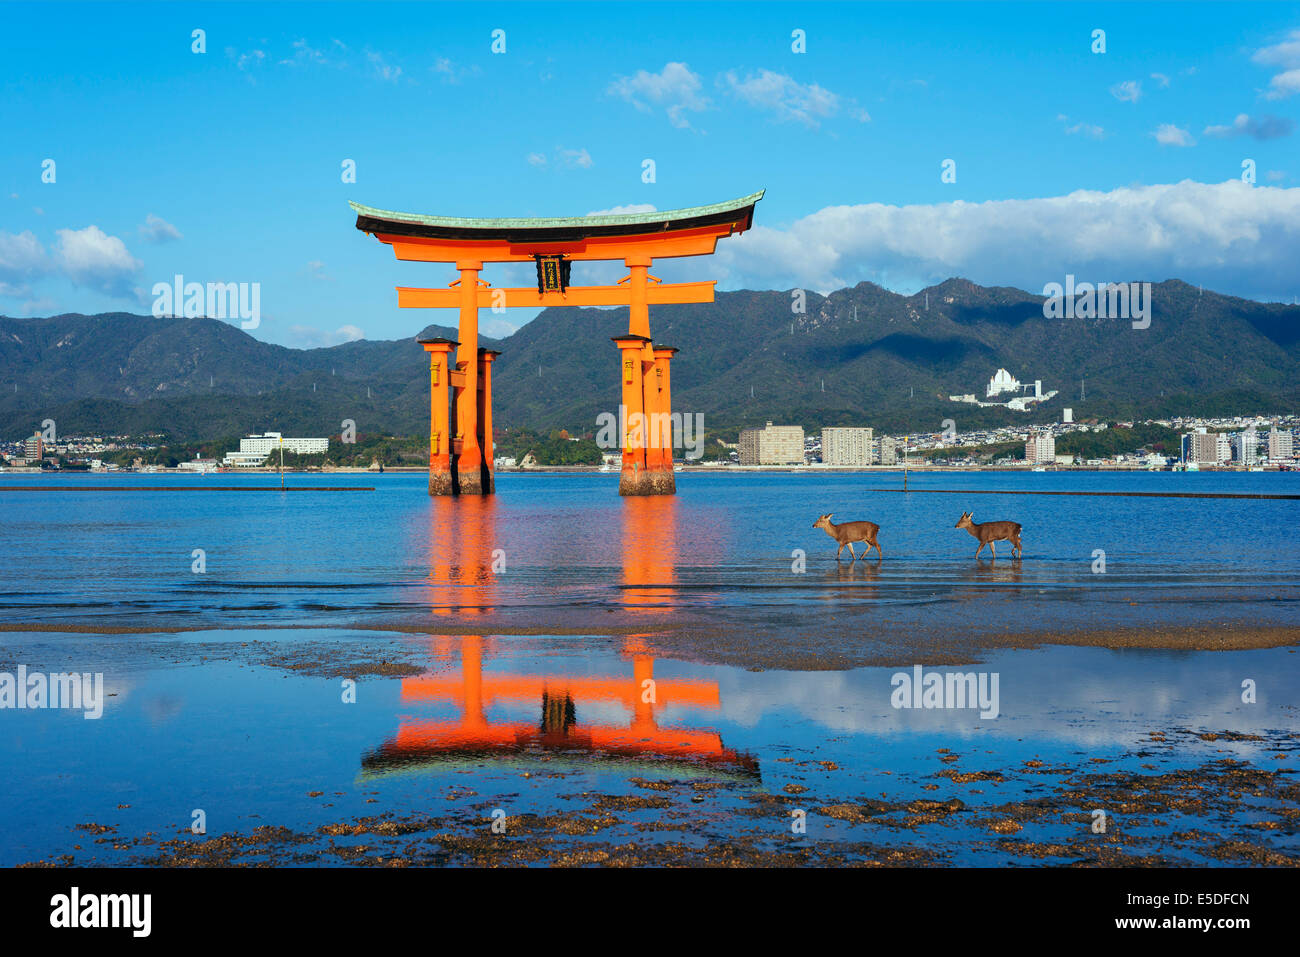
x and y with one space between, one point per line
993 547
978 550
838 551
852 552
879 553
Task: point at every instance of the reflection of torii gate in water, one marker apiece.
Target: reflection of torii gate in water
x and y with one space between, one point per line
560 727
460 459
461 585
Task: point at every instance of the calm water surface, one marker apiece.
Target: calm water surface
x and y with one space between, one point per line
537 723
568 540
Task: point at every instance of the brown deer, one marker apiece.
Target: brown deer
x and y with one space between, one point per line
990 532
847 533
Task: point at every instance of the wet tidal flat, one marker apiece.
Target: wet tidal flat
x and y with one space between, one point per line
541 750
555 676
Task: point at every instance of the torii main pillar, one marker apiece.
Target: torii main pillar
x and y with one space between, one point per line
460 416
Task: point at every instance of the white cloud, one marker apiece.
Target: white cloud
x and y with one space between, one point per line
1167 134
451 72
1130 91
1230 235
157 230
1284 85
309 337
1260 128
1090 130
498 328
316 269
383 69
674 88
1286 56
563 158
304 53
1161 80
246 61
90 257
788 99
572 158
22 258
629 208
41 305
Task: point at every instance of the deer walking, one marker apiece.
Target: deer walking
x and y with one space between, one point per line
846 533
990 532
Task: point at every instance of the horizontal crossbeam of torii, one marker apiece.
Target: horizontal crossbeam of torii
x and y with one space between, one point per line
498 297
461 462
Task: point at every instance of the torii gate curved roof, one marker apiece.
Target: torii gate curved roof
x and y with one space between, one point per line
736 213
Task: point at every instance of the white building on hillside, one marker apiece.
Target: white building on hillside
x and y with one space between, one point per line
1002 381
254 449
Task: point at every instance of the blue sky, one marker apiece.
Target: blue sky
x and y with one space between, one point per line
225 165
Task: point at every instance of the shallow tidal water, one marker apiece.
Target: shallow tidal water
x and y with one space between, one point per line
549 729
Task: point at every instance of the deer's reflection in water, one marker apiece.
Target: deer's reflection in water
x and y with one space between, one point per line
853 581
996 571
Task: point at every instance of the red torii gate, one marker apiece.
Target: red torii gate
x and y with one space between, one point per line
460 461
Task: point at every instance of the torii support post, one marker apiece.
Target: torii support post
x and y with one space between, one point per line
487 473
468 462
440 474
656 470
658 390
633 479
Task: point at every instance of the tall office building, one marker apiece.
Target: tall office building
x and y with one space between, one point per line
887 451
846 446
772 445
1245 447
1040 448
1206 448
1281 445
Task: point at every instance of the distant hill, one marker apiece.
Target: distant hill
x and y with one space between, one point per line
862 355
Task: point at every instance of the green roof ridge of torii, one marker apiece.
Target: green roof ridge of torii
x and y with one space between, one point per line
560 222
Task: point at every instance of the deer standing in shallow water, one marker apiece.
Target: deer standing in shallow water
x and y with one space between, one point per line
847 533
990 532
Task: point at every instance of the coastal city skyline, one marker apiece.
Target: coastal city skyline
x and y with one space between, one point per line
1234 442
